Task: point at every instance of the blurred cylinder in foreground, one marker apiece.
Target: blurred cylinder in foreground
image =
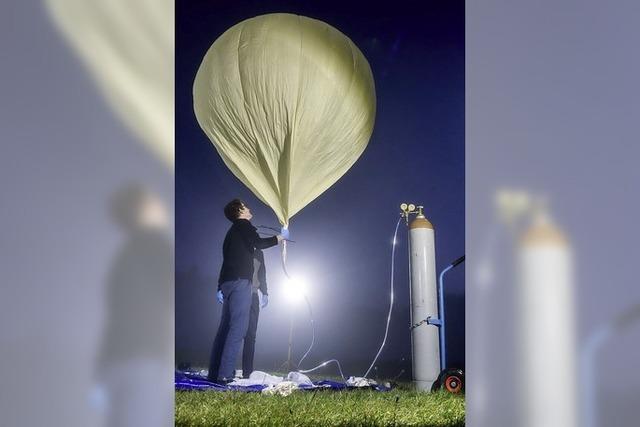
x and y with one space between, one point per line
424 303
546 327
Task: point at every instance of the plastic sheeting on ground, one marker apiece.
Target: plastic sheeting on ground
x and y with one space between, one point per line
270 384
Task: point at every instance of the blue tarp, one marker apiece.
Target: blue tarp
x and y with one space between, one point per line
191 381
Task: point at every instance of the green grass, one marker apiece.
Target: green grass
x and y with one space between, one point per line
398 407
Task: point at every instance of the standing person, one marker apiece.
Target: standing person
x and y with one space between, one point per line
259 300
234 288
137 344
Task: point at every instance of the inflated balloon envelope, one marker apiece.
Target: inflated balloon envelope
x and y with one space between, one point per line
289 103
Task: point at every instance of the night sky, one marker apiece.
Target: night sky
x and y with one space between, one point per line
343 238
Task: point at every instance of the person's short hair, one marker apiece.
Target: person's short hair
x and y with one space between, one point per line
233 208
126 205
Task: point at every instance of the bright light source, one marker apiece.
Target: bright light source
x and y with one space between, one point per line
295 290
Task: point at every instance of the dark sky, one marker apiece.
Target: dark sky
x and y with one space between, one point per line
343 238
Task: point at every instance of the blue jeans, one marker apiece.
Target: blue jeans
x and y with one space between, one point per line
232 330
249 348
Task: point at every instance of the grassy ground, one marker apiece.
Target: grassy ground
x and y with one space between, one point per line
399 407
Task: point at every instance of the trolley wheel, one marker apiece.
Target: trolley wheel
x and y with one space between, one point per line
450 380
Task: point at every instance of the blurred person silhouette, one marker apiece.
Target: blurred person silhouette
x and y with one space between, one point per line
235 288
259 300
137 345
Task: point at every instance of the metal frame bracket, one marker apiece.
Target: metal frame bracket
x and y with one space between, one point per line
435 321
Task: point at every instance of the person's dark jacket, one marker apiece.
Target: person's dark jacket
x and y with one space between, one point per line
140 302
238 248
260 276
